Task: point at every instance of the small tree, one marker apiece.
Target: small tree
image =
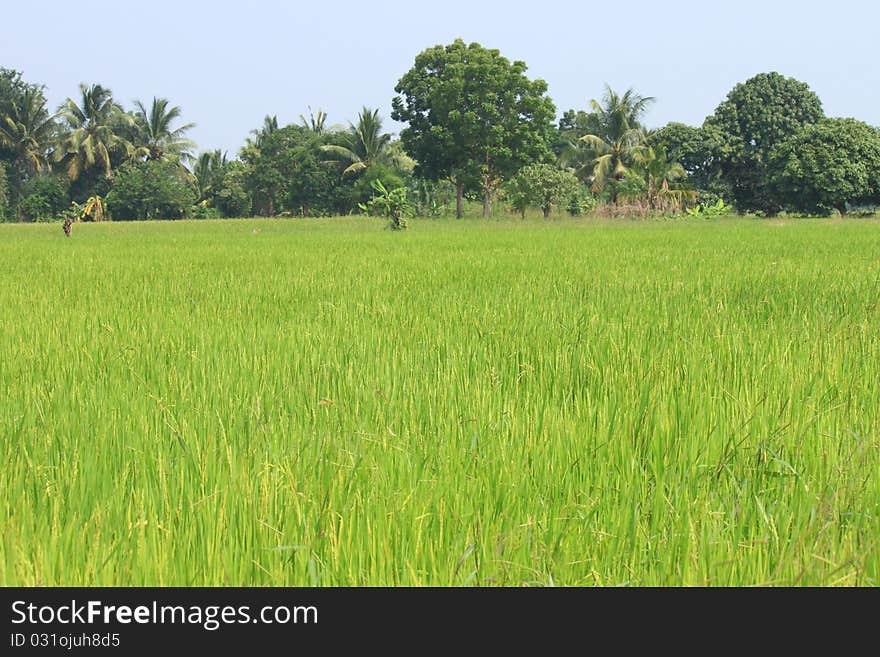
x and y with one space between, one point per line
92 210
154 189
541 185
392 204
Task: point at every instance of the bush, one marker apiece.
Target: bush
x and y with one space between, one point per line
392 204
150 190
581 202
201 211
717 209
365 185
541 185
233 199
44 198
432 199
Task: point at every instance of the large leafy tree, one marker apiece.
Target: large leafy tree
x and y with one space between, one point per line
27 129
158 139
831 165
758 115
618 138
91 138
473 117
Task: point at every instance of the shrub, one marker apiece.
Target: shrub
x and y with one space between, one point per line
392 204
44 198
150 190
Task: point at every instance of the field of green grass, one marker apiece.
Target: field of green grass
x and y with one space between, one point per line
323 402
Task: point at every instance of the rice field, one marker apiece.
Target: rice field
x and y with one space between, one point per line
468 403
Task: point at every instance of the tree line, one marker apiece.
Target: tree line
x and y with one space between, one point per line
477 129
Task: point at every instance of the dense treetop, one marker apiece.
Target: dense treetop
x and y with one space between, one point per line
472 115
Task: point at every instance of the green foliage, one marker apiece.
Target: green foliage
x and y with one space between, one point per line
154 189
317 189
664 181
232 197
203 211
432 198
392 204
581 202
363 145
541 185
473 116
4 193
11 88
44 197
91 210
13 92
363 188
619 136
26 132
831 165
697 150
283 169
156 138
718 209
208 172
93 134
758 115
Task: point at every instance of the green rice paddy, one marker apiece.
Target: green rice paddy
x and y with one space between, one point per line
502 403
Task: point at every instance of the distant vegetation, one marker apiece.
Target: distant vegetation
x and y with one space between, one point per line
478 129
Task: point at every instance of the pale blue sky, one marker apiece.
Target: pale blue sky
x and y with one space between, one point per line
227 64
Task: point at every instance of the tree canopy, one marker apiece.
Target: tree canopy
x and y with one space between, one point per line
474 123
757 115
831 165
473 117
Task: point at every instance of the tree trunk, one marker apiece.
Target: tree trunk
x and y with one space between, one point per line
546 210
19 175
459 199
841 208
487 203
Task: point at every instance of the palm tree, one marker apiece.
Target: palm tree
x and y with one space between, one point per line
270 125
27 130
658 170
362 145
91 139
206 171
618 139
158 141
663 178
315 122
